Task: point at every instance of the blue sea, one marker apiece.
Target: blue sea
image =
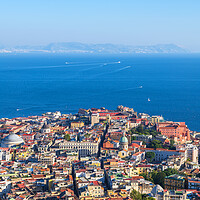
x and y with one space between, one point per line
31 84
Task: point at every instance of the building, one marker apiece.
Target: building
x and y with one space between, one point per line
27 137
175 161
192 153
139 156
156 119
175 182
77 125
123 142
48 159
163 154
84 148
145 138
45 128
174 195
94 118
194 184
11 140
177 131
5 154
95 189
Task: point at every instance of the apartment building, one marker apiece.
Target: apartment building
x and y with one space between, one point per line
175 182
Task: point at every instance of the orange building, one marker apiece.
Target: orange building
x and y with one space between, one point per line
108 144
177 131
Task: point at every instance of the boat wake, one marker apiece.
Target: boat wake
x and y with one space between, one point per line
122 68
19 109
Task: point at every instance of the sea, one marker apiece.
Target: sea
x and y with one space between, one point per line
167 85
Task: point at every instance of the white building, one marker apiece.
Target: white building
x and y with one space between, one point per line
48 159
163 154
192 153
45 128
5 154
84 148
94 118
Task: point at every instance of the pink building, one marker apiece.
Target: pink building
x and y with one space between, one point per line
177 131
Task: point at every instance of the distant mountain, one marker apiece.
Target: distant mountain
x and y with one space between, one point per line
76 47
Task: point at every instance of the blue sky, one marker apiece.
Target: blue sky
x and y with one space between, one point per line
135 22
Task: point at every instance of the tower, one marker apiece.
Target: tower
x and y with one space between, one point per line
94 118
123 142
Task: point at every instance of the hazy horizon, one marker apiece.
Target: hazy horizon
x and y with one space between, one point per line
116 22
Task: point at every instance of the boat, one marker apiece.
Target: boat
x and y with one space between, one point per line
140 86
66 63
149 99
119 62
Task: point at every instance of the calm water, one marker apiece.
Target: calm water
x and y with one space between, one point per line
34 84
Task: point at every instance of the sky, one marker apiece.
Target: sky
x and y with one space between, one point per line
134 22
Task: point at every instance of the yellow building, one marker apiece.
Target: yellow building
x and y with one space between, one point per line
131 171
143 169
111 193
123 153
95 190
77 125
21 154
95 163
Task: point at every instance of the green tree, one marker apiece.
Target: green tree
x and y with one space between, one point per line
67 137
87 135
135 195
158 178
145 197
140 129
144 175
150 198
155 144
144 143
172 147
170 171
154 133
133 138
150 156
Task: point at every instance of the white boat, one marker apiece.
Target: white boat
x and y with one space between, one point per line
140 86
119 62
66 63
149 99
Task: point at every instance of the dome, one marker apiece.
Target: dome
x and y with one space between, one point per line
11 140
123 139
157 189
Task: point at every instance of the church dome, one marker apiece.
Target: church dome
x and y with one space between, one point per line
123 139
11 140
157 189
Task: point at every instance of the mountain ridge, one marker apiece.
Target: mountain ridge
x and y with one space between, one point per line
106 48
